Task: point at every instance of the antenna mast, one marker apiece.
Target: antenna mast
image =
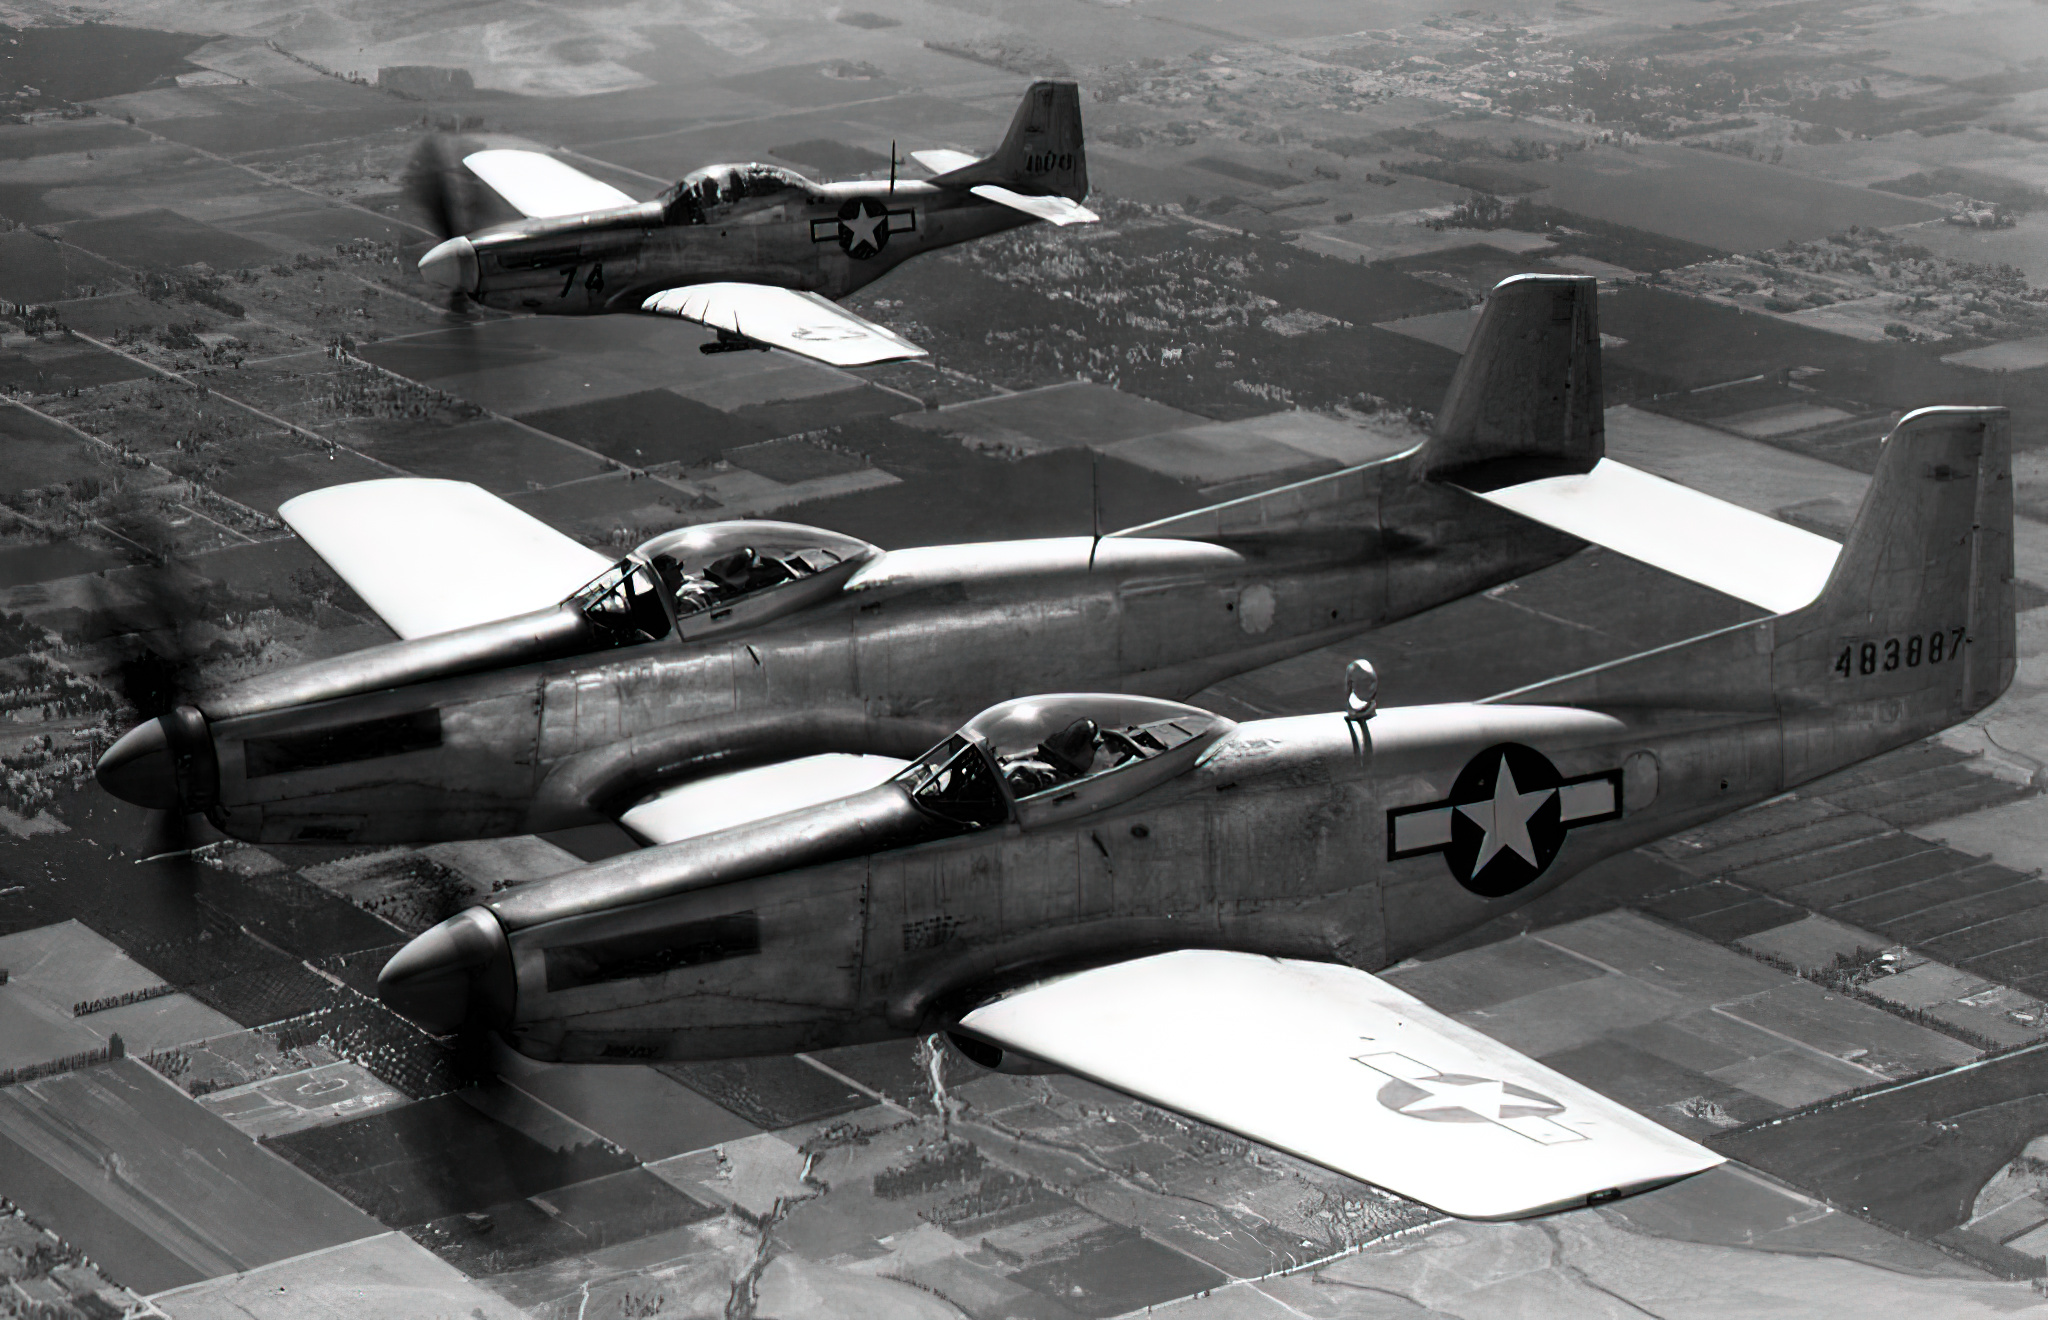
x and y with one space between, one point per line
1094 503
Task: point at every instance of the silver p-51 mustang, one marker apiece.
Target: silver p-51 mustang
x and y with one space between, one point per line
1189 909
756 252
750 667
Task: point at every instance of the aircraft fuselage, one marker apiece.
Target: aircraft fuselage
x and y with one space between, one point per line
830 239
1297 838
468 735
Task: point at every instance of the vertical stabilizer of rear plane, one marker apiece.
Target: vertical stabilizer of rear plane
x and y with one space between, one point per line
1042 153
1913 632
1525 402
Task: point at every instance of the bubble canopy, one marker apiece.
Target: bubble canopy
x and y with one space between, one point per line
716 577
719 187
1049 758
699 545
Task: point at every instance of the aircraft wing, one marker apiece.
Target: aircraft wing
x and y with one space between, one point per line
539 185
940 160
740 797
430 556
1339 1067
1734 550
785 318
1056 209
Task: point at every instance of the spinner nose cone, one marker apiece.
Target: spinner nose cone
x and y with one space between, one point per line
451 264
138 768
457 973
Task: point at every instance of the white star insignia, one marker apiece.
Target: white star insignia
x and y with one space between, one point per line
1505 818
861 232
1483 1097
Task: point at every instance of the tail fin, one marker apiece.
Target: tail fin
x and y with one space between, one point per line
1920 605
1042 153
1525 402
1913 632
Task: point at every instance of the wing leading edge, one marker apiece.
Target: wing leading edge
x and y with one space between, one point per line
1341 1068
430 556
801 323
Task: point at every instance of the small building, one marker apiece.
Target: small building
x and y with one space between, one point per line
426 82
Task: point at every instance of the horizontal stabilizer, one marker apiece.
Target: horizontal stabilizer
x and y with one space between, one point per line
538 185
940 160
1056 209
1339 1067
785 318
740 797
430 556
1734 550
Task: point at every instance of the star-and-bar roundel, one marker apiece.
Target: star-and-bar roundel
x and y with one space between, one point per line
1505 819
1415 1090
863 227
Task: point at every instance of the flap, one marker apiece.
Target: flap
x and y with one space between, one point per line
539 185
784 318
1056 209
430 556
1737 551
1339 1067
941 160
740 797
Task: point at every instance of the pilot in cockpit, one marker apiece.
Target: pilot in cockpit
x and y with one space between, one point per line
1075 752
745 569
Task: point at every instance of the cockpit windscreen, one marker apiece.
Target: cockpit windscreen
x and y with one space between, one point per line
702 193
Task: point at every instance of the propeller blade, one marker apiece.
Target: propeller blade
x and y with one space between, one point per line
169 835
433 186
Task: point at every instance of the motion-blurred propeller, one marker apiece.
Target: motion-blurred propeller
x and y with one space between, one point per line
164 764
449 200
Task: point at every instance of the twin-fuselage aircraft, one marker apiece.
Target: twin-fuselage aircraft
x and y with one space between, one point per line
756 252
1189 909
853 853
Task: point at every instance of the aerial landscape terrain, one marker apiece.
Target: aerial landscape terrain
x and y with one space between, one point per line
1805 219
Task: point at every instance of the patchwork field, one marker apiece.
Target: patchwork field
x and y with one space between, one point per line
208 257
